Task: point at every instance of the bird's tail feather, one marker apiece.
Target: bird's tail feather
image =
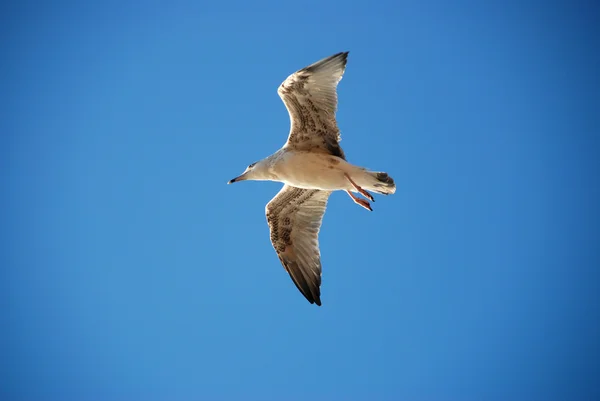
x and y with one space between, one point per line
379 182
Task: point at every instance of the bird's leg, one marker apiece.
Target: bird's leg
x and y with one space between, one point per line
360 201
359 189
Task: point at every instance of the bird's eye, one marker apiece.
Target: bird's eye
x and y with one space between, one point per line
252 165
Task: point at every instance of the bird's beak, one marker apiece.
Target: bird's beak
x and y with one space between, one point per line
236 179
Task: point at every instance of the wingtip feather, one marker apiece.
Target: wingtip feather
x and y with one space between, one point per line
338 59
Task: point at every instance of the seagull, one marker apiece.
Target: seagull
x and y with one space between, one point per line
311 165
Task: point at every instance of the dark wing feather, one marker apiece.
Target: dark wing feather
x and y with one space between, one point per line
294 216
310 97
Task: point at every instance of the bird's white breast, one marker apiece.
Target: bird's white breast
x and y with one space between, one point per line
312 170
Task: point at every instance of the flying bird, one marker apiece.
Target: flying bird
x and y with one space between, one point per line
311 164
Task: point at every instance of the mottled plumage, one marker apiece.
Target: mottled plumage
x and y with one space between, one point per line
311 99
294 216
311 164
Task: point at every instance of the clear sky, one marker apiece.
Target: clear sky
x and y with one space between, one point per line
131 271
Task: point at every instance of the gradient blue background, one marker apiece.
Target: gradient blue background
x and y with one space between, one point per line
130 270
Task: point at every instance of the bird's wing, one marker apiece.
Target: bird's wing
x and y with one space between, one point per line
294 216
311 99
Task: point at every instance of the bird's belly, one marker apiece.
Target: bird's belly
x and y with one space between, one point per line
313 171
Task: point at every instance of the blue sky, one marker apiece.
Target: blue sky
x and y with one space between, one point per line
130 270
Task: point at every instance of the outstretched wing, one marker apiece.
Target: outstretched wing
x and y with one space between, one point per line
311 99
294 216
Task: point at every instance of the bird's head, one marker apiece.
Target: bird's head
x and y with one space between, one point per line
257 171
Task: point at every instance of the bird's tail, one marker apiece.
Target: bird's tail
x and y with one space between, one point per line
379 182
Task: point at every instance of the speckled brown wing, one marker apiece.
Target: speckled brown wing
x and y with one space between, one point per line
310 97
294 216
